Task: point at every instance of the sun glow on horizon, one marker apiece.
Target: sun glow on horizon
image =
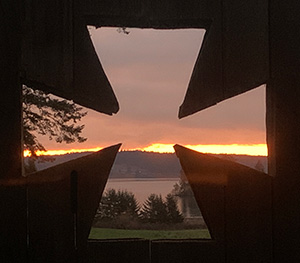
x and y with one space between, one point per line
242 149
62 152
239 149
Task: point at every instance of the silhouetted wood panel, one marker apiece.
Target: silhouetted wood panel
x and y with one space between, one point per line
10 99
186 251
242 218
58 56
284 146
92 177
245 46
283 129
161 14
118 251
235 58
206 83
208 188
13 226
248 216
60 217
50 220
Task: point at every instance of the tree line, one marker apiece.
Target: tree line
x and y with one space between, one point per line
47 115
117 205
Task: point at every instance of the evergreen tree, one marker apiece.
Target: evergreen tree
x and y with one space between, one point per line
128 203
174 216
184 191
154 210
182 188
114 203
43 114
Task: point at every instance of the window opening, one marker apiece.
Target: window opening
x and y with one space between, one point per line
234 129
252 127
138 127
144 68
147 196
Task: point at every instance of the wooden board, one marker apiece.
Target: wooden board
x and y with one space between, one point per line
58 56
60 211
13 226
118 251
234 57
236 203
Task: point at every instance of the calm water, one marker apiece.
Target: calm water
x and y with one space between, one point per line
143 187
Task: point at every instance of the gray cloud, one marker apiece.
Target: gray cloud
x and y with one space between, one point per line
149 71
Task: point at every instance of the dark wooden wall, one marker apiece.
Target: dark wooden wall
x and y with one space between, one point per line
12 198
281 27
283 128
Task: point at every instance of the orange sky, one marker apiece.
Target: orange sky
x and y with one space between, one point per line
149 71
255 149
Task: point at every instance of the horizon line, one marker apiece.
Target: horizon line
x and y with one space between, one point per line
235 149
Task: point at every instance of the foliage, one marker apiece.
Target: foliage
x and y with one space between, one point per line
174 216
182 188
121 209
44 114
156 210
115 204
123 30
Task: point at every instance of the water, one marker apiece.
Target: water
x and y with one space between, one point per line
143 187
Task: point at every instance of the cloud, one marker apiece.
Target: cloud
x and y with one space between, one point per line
116 49
150 71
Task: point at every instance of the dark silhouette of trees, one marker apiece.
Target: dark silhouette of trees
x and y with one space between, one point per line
114 204
173 214
183 190
46 115
43 114
156 210
121 209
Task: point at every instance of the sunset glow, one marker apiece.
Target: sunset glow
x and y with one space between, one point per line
243 149
61 152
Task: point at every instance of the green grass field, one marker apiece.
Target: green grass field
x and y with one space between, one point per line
109 233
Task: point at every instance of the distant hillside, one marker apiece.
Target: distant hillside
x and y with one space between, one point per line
58 159
146 164
137 164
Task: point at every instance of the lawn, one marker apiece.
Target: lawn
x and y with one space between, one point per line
109 233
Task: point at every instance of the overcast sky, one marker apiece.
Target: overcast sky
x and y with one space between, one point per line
149 71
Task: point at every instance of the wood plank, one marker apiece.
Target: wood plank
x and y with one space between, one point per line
283 111
13 227
187 251
58 56
242 218
160 14
10 99
58 224
118 251
234 57
92 178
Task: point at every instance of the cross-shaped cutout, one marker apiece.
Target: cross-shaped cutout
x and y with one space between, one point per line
227 65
